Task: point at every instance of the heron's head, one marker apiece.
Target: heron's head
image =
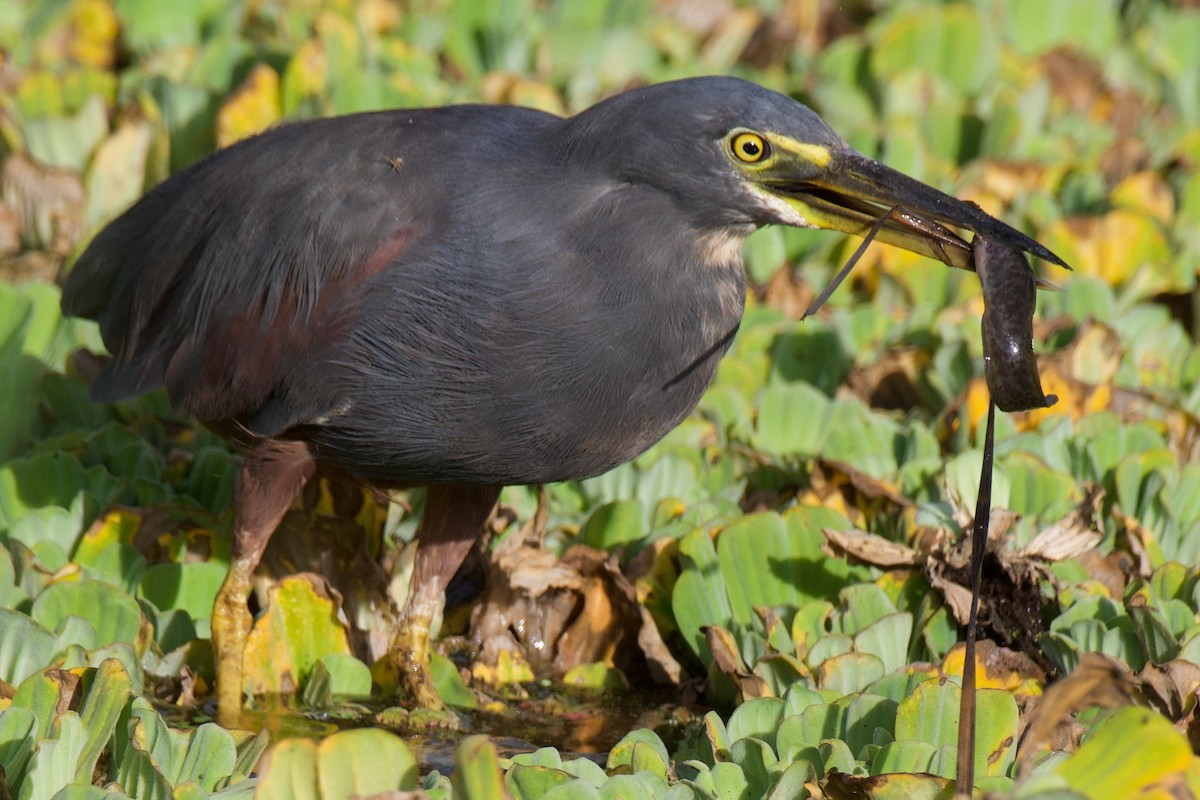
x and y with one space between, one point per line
735 154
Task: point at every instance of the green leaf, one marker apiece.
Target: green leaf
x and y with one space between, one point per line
209 757
763 252
954 42
573 790
25 648
107 695
699 598
78 791
887 638
448 682
151 754
211 477
827 647
41 694
149 26
757 759
860 436
289 771
811 726
905 756
17 738
298 628
1159 644
542 757
68 140
337 674
116 563
191 587
730 781
930 715
849 672
585 769
363 762
613 524
758 718
867 714
791 420
55 760
717 735
622 754
1133 749
477 773
248 754
527 782
640 784
836 755
1035 27
792 784
647 759
864 604
115 616
18 394
767 560
47 479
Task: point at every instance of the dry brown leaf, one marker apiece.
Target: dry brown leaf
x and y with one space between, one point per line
48 200
664 668
957 596
1010 606
1171 688
729 661
1073 535
698 16
892 382
10 229
70 693
869 487
563 613
840 786
1099 680
867 548
787 293
1139 539
534 572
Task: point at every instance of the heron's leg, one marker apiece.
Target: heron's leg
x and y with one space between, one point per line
453 519
271 475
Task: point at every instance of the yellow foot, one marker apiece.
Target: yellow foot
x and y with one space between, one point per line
410 657
231 624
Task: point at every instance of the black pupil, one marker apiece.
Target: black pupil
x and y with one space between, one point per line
750 148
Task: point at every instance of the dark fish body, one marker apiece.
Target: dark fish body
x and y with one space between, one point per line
1009 297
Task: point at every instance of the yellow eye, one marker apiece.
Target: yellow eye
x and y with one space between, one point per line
750 148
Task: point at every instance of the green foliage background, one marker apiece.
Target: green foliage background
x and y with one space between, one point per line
1076 120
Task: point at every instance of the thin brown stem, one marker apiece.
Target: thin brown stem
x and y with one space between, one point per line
849 265
965 778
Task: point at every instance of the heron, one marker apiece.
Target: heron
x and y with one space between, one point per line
468 297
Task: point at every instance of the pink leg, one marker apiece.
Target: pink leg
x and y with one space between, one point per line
453 519
271 475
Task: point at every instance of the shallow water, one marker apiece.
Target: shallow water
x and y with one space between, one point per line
577 723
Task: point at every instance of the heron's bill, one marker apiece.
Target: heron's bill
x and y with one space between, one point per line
852 192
